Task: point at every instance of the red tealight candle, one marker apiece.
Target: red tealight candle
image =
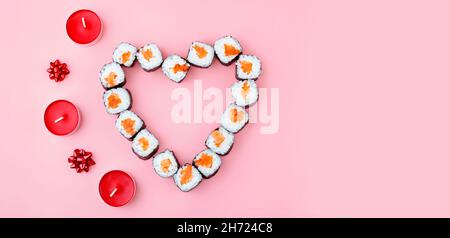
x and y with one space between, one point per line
62 117
84 27
117 188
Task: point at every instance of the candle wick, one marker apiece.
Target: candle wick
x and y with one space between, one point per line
59 119
113 192
84 22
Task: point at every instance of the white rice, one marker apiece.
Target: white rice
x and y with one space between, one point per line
228 124
244 96
156 57
168 68
122 49
165 155
208 171
256 67
219 48
192 183
122 94
224 147
112 70
194 58
152 146
138 123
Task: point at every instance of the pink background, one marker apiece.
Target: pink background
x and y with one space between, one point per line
364 119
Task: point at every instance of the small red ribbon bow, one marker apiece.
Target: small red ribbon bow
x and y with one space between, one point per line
81 160
57 71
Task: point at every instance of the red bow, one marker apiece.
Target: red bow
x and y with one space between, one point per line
57 71
81 160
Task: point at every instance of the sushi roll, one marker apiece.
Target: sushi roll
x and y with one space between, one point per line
150 57
117 100
125 54
248 67
165 164
245 93
112 76
145 144
207 162
220 141
187 177
200 54
227 49
129 124
234 118
175 68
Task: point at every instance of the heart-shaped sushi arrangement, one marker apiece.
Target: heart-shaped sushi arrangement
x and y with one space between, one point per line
219 142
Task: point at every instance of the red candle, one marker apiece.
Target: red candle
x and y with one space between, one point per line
117 188
61 117
84 27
